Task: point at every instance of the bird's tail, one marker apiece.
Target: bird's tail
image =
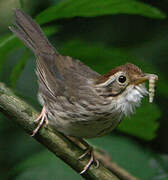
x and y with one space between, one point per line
30 33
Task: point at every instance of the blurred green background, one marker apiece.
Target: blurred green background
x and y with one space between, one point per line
102 34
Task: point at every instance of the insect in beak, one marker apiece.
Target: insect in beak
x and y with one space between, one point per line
152 80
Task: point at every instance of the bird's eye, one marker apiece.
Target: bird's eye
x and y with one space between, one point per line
122 79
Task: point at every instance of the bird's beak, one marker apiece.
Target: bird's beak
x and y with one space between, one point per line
143 78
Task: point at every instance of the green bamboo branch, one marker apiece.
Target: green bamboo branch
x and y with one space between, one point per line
57 143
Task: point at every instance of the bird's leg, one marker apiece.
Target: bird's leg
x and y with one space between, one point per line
42 118
88 151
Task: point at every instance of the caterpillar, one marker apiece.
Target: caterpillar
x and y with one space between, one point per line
152 81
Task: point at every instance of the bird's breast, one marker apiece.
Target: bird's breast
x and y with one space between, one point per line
83 119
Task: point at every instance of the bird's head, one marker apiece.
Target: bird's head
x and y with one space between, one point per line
125 85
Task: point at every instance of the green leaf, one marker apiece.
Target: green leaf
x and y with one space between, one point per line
87 8
143 123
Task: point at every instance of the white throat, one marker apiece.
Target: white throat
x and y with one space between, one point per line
131 99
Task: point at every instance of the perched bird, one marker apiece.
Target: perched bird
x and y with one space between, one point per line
76 100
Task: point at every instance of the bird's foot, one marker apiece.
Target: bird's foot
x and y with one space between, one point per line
89 151
42 118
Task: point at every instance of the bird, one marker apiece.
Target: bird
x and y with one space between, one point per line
76 100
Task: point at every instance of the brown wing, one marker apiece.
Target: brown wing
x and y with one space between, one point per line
64 76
